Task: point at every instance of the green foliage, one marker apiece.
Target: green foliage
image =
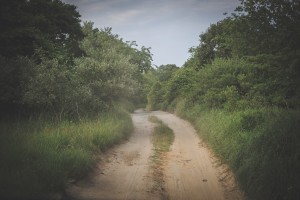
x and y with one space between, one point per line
181 84
36 29
163 138
241 90
64 87
75 87
142 58
257 27
154 119
256 144
149 79
157 83
125 105
267 26
155 97
165 72
12 76
241 83
55 87
214 43
39 157
27 25
52 79
108 66
96 41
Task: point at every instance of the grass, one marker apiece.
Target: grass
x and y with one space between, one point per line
261 146
162 139
40 157
154 119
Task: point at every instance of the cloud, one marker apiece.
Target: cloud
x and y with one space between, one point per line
170 27
151 12
124 17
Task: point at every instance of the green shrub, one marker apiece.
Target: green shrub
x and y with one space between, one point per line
155 97
262 146
39 156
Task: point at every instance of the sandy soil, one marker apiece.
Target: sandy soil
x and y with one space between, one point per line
190 170
124 171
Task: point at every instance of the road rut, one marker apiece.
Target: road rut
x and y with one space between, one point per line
190 171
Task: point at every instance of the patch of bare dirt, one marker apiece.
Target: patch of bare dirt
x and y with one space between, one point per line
190 171
124 171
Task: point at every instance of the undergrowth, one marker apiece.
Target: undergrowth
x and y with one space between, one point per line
262 146
39 156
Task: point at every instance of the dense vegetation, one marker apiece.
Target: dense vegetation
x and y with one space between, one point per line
65 89
40 157
241 90
65 93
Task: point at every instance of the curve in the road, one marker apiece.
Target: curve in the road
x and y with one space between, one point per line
125 173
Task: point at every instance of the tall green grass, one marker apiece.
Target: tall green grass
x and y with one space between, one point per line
40 156
262 146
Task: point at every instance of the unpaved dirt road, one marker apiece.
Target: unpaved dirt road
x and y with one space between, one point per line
190 172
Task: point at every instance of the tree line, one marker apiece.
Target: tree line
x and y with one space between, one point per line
241 90
66 89
240 87
248 59
51 63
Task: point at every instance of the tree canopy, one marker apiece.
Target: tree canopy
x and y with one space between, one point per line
50 62
47 24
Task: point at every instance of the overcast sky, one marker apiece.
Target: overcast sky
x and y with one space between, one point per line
169 27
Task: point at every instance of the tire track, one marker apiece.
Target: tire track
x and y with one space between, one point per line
190 171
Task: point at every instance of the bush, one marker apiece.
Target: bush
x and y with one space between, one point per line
235 84
260 145
44 155
155 97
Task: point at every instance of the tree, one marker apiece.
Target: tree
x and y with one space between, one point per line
55 88
107 67
165 72
29 27
143 59
47 24
214 43
268 26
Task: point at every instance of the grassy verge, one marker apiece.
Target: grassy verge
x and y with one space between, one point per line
162 140
163 137
261 146
40 157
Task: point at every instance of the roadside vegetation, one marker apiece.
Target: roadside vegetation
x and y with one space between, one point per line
41 157
66 90
241 90
162 139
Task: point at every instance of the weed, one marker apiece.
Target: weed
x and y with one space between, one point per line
39 156
262 146
154 119
162 140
